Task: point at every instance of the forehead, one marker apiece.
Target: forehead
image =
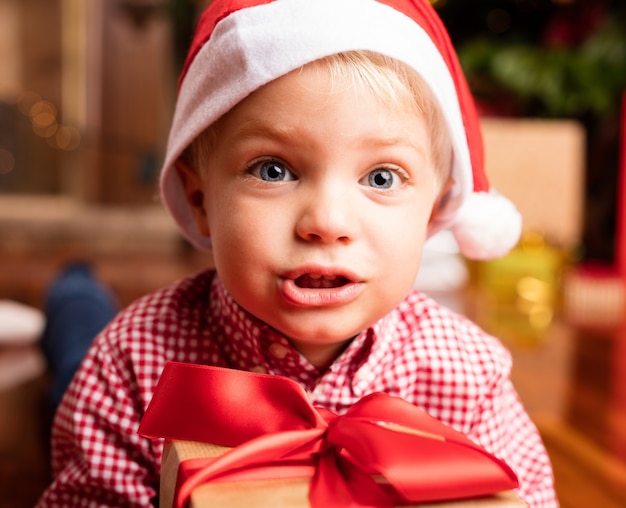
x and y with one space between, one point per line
320 96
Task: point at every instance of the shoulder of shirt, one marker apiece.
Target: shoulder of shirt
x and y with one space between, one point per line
182 296
445 332
184 300
427 311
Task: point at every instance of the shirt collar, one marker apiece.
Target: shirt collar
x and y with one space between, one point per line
247 343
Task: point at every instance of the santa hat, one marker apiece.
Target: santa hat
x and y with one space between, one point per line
240 45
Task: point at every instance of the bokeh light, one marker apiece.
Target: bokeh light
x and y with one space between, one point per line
7 161
67 138
43 116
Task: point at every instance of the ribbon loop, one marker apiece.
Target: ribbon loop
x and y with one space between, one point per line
382 452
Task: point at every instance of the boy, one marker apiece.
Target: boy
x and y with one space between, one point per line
316 144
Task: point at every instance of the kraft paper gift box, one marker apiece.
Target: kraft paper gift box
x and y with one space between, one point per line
271 448
277 493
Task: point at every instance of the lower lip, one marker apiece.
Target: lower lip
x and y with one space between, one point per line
319 297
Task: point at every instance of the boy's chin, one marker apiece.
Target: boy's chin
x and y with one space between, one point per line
322 339
320 335
321 353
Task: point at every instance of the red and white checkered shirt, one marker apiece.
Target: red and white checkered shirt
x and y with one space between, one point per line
421 352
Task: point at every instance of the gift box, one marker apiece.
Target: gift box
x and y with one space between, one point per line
238 438
276 493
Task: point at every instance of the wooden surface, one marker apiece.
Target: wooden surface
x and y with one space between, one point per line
586 475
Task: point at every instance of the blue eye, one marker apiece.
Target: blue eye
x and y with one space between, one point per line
272 171
383 178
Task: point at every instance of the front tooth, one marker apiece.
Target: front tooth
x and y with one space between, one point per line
315 276
330 277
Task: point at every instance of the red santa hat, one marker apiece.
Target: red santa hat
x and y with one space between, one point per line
240 45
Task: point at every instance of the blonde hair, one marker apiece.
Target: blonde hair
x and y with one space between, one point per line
389 79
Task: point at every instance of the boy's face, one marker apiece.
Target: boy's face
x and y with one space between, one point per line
317 198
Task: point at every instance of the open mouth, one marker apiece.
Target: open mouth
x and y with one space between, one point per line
313 287
317 281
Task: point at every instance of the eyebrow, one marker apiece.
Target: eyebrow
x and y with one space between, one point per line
254 129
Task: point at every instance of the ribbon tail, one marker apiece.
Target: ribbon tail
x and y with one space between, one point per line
338 483
260 453
328 488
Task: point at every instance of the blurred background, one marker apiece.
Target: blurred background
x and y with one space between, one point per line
86 95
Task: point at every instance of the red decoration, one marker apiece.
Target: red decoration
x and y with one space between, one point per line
620 234
278 433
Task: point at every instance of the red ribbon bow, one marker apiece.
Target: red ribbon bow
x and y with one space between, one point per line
274 427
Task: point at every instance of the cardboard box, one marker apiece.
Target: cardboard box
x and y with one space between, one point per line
539 164
291 493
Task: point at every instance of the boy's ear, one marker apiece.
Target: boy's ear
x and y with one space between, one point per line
447 185
194 192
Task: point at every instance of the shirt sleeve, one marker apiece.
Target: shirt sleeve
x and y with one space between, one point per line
504 428
98 458
462 376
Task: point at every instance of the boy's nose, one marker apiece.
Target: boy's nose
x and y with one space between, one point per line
327 216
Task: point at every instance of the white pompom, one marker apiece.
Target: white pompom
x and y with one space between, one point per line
487 226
